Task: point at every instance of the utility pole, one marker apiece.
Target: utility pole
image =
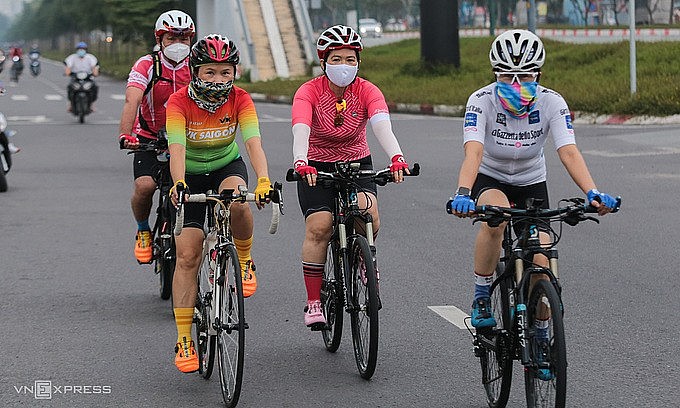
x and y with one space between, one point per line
439 41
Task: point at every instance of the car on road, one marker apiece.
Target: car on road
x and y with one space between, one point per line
370 27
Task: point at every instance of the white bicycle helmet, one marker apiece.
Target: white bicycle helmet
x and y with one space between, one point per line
175 21
337 37
517 51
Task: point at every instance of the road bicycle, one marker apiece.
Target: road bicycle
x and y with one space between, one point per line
527 305
350 279
163 240
219 317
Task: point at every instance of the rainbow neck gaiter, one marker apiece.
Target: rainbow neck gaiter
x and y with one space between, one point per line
517 98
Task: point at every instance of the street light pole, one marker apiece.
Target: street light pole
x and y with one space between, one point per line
633 68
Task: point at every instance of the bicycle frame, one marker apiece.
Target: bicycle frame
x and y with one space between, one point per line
519 264
346 213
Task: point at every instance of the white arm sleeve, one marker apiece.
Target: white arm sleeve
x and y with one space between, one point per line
382 127
300 141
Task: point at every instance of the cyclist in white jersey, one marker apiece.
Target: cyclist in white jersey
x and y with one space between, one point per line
505 129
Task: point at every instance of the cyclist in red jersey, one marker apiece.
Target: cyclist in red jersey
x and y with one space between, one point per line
329 117
144 112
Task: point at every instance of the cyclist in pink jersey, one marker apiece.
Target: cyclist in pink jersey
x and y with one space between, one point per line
202 120
329 118
153 78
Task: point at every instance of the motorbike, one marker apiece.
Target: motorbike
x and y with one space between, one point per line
17 68
34 64
81 94
2 60
7 148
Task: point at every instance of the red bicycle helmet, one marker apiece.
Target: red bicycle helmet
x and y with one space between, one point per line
213 49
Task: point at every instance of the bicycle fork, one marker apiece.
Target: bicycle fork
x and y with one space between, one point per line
524 333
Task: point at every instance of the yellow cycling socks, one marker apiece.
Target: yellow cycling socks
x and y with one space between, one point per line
184 316
243 247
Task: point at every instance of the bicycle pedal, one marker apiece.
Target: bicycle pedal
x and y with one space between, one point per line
318 326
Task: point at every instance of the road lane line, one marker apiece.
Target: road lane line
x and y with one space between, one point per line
602 153
118 97
452 314
52 97
19 97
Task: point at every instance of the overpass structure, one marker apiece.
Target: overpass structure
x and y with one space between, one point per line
275 37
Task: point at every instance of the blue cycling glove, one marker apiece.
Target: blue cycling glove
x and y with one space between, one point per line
460 203
605 199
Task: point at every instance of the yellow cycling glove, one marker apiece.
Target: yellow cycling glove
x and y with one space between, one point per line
263 189
174 188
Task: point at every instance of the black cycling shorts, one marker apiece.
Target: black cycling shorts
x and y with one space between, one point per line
145 163
194 213
318 198
517 195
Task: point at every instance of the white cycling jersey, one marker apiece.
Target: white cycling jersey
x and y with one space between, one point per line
513 148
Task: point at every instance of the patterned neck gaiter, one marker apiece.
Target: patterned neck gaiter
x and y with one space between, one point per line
517 99
209 95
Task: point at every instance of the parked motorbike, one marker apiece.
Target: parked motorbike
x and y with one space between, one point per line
81 92
7 148
34 64
17 68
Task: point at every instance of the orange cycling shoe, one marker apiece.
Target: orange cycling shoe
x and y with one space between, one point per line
248 279
186 358
143 247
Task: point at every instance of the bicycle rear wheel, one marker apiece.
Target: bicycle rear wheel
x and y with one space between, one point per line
332 298
546 378
231 328
206 334
494 347
364 307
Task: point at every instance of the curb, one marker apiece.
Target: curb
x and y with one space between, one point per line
459 111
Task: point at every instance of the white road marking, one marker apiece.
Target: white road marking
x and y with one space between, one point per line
452 314
19 97
664 150
118 97
33 119
52 97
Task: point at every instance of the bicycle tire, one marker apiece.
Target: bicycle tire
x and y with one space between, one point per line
332 298
550 392
232 329
3 182
364 307
165 266
205 333
496 358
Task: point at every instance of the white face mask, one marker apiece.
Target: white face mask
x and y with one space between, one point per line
176 52
341 74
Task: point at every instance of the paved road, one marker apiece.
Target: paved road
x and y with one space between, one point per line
78 311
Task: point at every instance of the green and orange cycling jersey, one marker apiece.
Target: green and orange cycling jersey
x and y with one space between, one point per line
209 138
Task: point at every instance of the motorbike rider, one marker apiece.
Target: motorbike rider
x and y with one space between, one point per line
152 80
81 61
34 56
16 55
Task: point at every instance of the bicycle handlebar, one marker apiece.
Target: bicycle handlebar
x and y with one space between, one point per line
242 196
571 214
346 171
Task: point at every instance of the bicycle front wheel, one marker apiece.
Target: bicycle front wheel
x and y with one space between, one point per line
494 347
164 243
205 331
364 307
546 377
332 298
231 328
